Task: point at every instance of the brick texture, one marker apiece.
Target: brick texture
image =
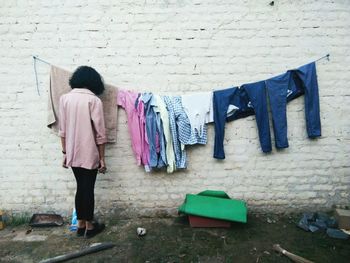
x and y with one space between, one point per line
176 47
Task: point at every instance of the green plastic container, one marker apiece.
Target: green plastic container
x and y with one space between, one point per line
216 205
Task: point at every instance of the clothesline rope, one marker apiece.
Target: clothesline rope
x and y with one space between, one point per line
44 61
35 58
326 56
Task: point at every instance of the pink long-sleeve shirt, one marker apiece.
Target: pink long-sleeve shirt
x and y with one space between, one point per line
82 124
136 124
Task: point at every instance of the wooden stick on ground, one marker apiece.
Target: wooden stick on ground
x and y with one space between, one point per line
292 256
85 251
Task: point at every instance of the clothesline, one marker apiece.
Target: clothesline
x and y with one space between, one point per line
36 58
326 56
161 126
44 61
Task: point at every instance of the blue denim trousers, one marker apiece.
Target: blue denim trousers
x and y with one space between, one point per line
294 83
273 91
305 82
279 90
257 96
221 101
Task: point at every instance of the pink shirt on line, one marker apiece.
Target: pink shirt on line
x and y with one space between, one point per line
136 124
82 124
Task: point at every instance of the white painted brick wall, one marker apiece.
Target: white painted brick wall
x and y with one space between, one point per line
175 47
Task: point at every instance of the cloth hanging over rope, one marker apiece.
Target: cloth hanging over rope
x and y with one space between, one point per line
59 85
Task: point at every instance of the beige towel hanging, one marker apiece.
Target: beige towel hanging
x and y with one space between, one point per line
59 85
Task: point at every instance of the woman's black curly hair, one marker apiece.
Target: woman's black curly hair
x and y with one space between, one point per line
87 77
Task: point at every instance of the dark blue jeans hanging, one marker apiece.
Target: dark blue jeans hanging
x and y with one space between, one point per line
291 84
221 101
280 90
305 82
277 90
257 95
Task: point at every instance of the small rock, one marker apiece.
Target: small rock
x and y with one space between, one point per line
114 228
253 251
266 252
141 231
269 221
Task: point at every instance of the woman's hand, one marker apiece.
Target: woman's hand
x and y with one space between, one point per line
102 168
64 165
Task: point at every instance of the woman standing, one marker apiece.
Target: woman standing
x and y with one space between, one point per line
83 138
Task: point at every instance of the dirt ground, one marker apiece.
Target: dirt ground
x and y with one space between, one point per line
173 240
